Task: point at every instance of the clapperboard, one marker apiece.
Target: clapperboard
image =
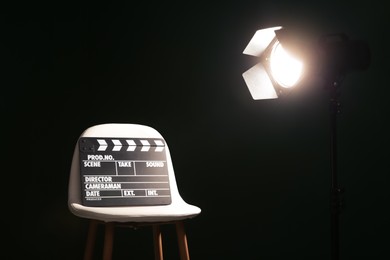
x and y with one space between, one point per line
123 172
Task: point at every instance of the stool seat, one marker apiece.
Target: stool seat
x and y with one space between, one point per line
179 211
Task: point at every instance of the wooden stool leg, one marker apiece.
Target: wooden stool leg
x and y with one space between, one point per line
182 240
91 237
108 241
157 238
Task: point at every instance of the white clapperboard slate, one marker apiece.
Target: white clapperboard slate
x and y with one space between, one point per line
123 172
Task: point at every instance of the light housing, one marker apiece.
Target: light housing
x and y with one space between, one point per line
328 58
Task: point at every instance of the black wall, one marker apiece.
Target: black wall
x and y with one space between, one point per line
259 170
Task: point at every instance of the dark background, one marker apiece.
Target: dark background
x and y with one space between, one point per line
259 170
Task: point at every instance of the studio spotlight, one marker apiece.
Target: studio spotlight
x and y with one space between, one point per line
285 61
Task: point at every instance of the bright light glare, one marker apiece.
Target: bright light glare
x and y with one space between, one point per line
285 69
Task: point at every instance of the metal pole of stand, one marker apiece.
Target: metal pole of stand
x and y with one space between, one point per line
335 189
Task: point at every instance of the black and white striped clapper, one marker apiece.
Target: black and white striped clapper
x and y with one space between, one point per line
123 172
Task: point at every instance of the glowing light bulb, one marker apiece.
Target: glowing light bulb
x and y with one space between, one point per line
285 69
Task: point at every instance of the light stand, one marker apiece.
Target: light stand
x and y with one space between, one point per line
330 59
339 56
335 191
